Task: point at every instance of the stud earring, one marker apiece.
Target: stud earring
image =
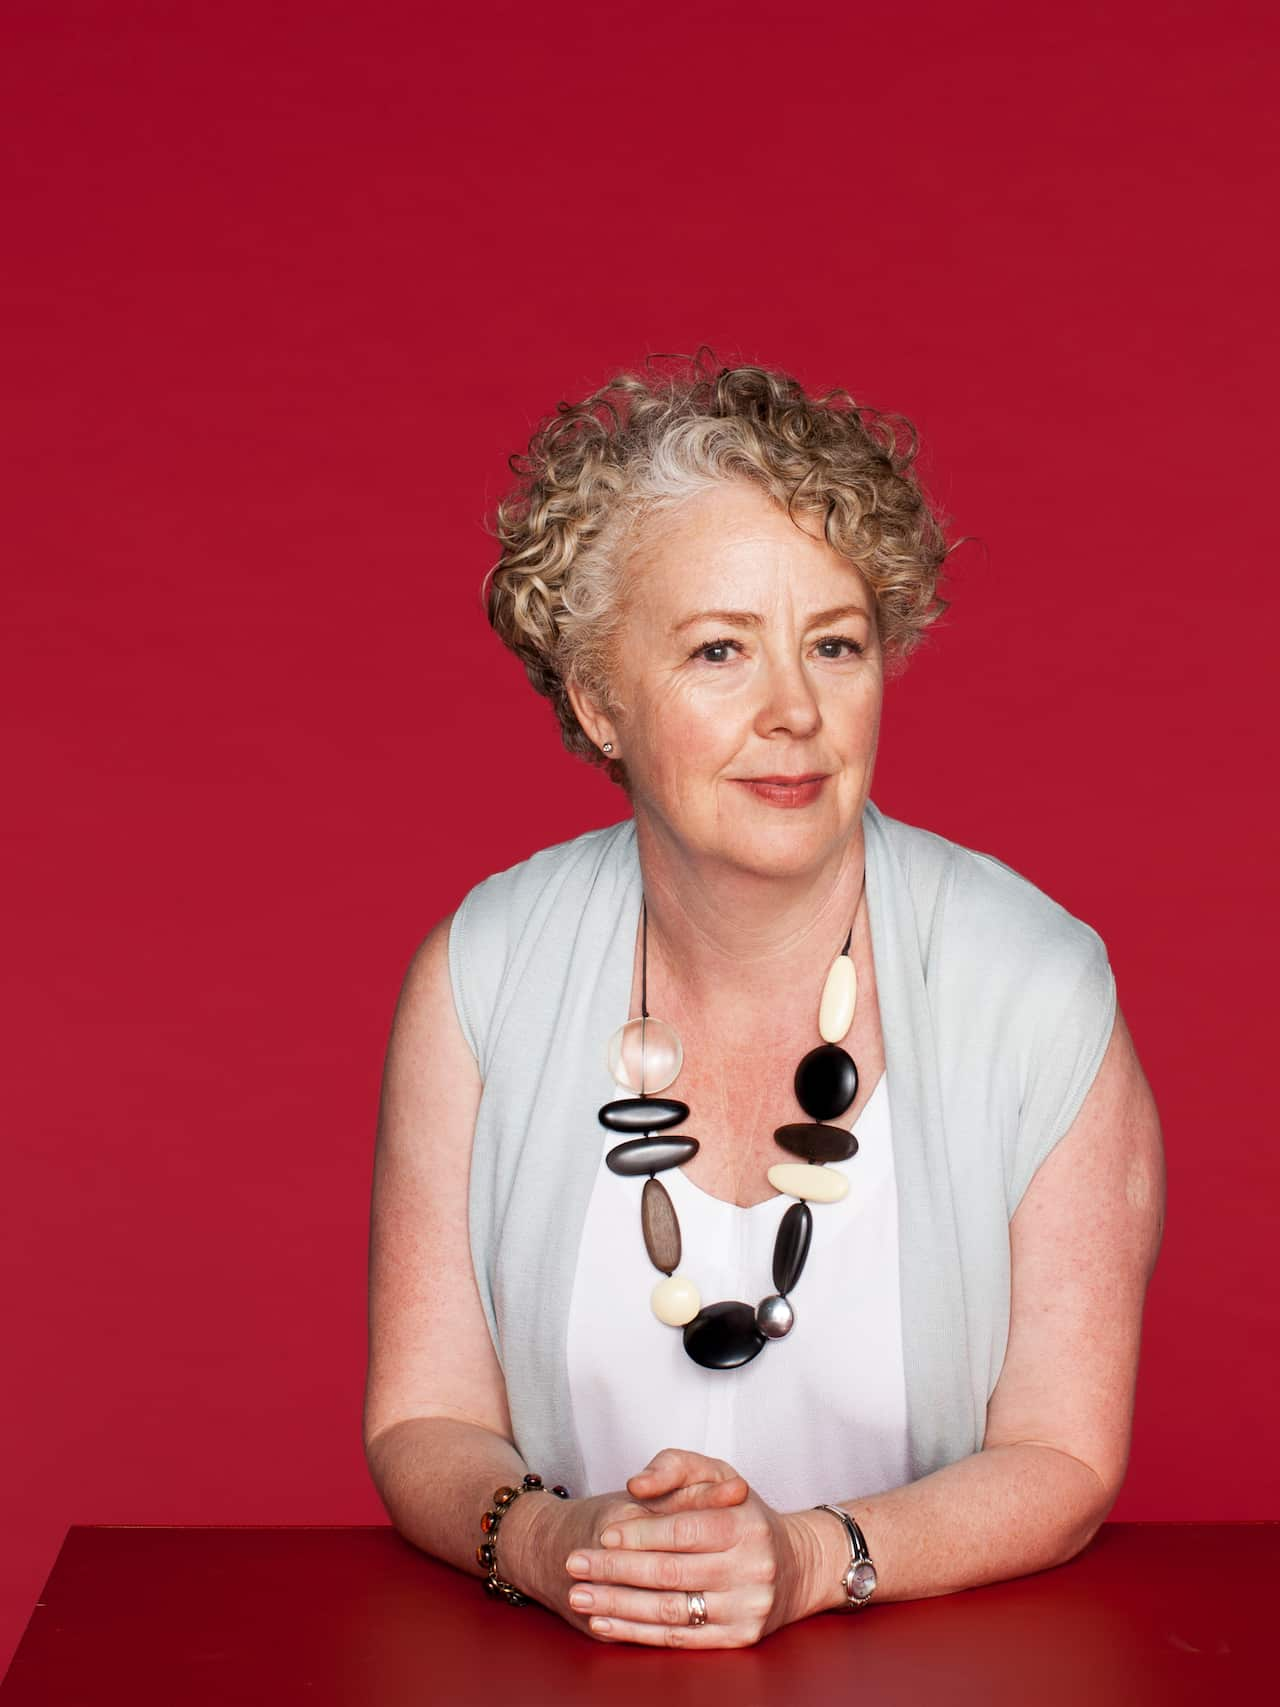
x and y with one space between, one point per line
607 747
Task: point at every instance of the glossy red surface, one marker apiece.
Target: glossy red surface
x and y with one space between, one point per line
1148 1613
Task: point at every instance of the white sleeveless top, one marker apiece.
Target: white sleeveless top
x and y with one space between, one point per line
822 1408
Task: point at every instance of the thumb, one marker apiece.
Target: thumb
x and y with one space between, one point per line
666 1469
690 1478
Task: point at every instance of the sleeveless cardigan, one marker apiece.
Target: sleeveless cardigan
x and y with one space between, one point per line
996 1007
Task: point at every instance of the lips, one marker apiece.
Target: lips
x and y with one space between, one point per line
786 791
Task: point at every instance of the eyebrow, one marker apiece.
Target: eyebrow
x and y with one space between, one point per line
750 619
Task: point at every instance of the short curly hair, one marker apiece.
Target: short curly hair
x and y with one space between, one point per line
597 470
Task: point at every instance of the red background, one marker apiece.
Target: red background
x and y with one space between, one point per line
286 284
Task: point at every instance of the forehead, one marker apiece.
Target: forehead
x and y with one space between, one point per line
736 535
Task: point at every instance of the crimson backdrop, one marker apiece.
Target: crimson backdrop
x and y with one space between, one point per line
287 282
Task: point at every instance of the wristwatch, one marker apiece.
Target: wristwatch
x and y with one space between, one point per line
860 1578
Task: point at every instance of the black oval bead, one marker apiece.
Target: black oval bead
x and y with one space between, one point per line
650 1155
791 1246
643 1114
724 1335
818 1143
826 1082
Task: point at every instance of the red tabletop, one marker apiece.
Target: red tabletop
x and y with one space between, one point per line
1148 1613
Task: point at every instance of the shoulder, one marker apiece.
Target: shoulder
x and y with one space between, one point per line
501 904
979 915
537 901
1021 989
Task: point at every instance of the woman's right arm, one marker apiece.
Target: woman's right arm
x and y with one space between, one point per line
437 1429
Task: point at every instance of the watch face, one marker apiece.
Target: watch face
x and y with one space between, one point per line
863 1580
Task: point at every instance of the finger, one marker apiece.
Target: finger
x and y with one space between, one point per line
696 1530
607 1568
666 1469
695 1495
678 1526
646 1607
685 1635
675 1465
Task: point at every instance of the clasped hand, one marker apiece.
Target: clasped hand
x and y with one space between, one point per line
692 1524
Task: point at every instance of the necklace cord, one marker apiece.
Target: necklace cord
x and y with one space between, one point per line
644 949
644 958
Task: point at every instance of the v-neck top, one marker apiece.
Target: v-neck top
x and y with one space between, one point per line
996 1005
823 1407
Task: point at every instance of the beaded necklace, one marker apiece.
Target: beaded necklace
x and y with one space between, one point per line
645 1056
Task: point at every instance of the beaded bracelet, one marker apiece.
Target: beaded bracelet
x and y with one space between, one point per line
487 1553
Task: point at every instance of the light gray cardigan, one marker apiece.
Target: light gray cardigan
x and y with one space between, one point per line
996 1006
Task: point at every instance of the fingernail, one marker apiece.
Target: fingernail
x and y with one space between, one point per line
611 1538
582 1597
579 1562
601 1624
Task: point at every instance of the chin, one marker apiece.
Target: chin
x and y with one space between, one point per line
779 851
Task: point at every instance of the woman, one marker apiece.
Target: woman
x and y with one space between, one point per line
776 1178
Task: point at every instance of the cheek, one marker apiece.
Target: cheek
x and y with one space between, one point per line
856 713
685 744
682 723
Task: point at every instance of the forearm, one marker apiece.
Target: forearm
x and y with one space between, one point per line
437 1476
1002 1512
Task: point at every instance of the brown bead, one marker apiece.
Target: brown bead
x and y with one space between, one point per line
816 1142
660 1226
503 1496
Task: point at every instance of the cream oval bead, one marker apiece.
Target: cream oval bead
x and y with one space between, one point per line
808 1180
839 998
675 1301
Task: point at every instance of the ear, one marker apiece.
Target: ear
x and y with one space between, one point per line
599 726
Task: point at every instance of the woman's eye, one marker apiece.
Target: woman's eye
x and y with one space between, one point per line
720 647
840 640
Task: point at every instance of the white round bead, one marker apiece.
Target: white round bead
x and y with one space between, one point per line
810 1181
839 998
675 1301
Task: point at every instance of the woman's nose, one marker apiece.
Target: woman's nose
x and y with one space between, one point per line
788 703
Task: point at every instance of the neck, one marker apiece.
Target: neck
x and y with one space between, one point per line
716 927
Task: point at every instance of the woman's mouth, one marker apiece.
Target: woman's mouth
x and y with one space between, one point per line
801 790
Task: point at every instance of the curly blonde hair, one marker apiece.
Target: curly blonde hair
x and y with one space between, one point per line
597 470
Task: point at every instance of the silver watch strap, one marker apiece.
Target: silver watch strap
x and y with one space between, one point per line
861 1574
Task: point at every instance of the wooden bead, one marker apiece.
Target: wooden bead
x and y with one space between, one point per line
660 1227
816 1142
814 1184
839 998
675 1301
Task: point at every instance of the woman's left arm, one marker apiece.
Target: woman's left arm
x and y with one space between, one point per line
1084 1241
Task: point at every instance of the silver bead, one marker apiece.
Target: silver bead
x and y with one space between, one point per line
774 1316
